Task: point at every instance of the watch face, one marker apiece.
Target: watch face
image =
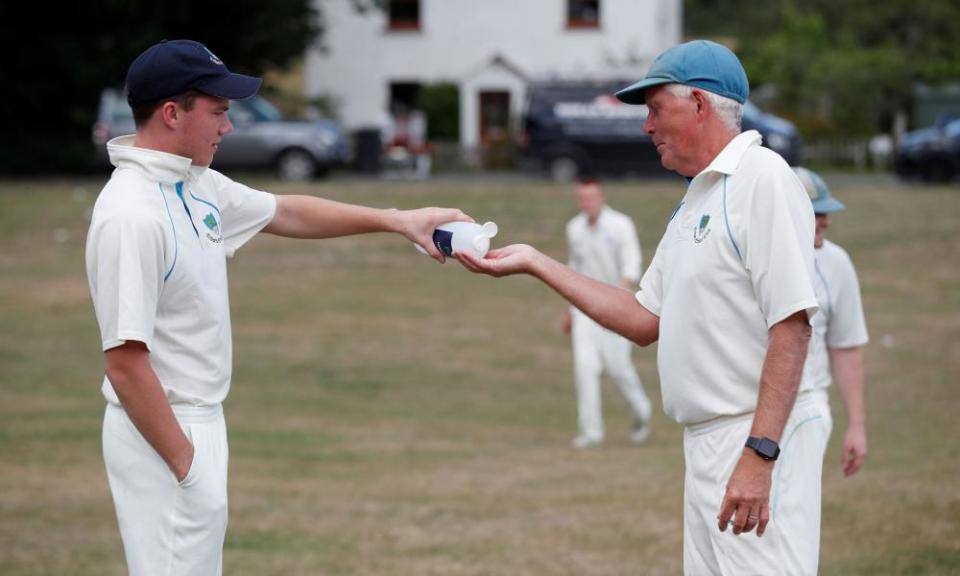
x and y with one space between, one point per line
764 447
768 448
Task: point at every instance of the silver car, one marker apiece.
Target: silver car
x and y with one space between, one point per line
296 149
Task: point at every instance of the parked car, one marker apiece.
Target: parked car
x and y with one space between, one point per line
570 129
931 154
261 138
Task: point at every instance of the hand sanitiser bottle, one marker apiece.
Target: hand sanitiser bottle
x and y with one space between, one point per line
463 237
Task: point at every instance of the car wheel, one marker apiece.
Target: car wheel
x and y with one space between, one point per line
938 171
564 169
296 165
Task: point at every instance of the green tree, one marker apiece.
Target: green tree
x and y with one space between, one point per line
441 103
839 66
61 55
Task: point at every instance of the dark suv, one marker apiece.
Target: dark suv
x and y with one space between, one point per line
572 129
932 154
261 138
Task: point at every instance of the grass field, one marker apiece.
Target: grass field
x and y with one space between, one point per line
390 416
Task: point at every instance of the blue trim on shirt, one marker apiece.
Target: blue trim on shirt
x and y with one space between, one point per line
179 188
726 219
176 245
210 204
674 213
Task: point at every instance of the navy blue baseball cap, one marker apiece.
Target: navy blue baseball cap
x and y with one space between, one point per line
823 201
173 67
701 64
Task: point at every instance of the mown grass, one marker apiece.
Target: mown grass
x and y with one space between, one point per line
393 416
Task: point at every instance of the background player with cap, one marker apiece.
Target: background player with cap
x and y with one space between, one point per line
603 245
729 296
156 252
839 328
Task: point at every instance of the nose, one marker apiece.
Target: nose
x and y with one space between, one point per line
227 126
648 125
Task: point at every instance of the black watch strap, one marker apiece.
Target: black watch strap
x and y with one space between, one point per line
764 447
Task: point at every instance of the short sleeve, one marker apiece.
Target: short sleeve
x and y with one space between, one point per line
244 212
650 295
848 327
779 247
126 266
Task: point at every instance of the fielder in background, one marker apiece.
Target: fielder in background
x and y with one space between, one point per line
839 329
161 232
603 245
729 297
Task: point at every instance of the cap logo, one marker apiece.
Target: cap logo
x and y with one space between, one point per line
213 57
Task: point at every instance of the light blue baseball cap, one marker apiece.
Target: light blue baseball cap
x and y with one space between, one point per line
701 64
823 201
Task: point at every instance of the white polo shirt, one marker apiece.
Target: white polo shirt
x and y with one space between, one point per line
840 322
156 264
607 251
736 258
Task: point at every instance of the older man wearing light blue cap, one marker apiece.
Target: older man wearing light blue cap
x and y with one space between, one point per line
729 297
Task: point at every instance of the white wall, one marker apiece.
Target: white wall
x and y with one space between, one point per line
457 38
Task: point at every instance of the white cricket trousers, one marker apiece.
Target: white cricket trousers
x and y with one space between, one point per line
169 528
791 543
596 349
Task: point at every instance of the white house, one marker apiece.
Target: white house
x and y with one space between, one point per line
491 49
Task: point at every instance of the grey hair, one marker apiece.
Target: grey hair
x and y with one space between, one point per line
728 110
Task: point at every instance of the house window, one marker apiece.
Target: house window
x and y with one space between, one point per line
404 14
583 13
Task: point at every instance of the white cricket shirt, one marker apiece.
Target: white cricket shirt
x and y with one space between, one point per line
840 322
608 251
736 258
156 264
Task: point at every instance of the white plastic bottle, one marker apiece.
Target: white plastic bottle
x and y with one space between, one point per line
463 237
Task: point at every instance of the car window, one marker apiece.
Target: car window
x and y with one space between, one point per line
263 110
240 114
953 129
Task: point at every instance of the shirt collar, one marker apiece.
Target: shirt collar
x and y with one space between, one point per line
154 164
729 158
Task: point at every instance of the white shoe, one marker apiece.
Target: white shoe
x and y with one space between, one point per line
584 441
641 431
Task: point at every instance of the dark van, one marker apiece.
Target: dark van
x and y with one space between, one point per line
577 129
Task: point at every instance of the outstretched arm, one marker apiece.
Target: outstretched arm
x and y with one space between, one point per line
613 308
312 217
847 365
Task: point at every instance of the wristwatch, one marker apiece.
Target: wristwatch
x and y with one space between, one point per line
764 447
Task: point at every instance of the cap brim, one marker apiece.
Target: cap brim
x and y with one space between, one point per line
636 93
232 86
828 205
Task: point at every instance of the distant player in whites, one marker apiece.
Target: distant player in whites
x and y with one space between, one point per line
839 329
603 245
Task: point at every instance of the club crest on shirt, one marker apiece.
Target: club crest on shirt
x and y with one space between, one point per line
211 222
703 230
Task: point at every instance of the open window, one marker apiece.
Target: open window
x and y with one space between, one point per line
583 14
403 14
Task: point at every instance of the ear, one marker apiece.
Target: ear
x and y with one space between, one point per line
702 102
169 114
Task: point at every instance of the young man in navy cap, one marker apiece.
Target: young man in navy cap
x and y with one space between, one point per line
839 328
729 297
161 231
